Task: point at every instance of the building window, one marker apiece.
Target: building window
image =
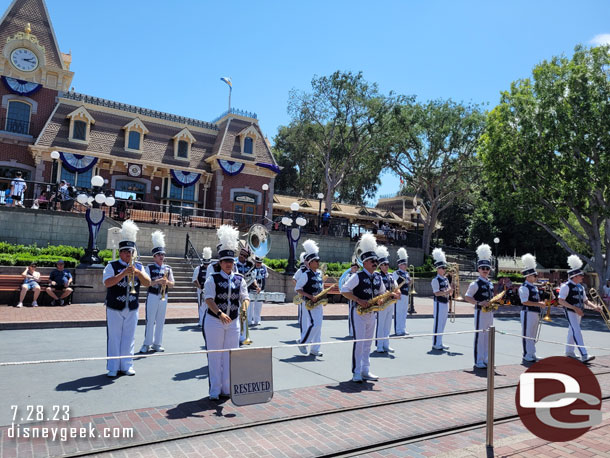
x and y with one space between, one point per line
18 118
183 149
126 189
80 180
248 145
181 192
134 140
80 130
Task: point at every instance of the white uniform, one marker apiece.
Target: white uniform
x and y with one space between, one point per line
201 305
311 320
441 311
401 307
156 309
530 316
482 321
384 323
257 306
574 332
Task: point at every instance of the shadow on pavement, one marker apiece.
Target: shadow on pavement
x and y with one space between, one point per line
298 358
386 354
352 387
190 327
198 409
86 384
199 373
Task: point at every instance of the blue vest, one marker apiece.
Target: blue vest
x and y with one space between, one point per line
227 304
202 274
534 296
313 285
261 274
387 281
485 291
404 289
443 284
116 296
576 296
156 273
368 287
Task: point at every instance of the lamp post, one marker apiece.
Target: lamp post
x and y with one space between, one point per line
320 197
95 217
264 212
54 175
293 222
496 241
417 213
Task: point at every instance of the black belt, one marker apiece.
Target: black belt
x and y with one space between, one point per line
530 308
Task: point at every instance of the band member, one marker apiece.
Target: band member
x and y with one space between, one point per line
262 274
384 317
479 293
200 275
531 305
300 271
573 298
442 290
223 293
402 304
308 285
122 305
161 279
214 266
360 288
350 326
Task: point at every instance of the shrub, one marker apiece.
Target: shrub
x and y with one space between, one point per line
7 259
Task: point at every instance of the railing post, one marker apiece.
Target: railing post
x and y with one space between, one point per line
186 246
491 349
222 217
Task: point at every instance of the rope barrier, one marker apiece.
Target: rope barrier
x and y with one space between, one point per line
505 333
203 352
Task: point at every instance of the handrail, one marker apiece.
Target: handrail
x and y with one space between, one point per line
190 253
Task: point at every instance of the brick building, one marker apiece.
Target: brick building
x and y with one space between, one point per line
147 155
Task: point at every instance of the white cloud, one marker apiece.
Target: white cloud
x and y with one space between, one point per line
601 39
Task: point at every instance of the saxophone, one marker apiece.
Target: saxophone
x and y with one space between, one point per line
380 302
495 302
310 305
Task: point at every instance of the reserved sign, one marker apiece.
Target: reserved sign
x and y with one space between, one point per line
251 376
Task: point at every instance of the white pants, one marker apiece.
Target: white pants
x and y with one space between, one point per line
441 311
482 320
303 319
218 336
155 319
120 337
311 331
529 328
350 323
202 307
575 334
257 308
383 327
364 328
400 315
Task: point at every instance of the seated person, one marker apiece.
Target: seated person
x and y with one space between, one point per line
43 200
30 281
60 284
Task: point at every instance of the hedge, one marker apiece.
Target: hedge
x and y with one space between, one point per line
23 255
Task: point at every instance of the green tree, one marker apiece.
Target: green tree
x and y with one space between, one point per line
546 151
433 149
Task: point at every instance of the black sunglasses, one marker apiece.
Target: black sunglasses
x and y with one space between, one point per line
484 268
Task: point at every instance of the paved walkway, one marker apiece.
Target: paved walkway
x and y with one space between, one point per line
327 419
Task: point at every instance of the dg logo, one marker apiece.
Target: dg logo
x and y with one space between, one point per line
559 399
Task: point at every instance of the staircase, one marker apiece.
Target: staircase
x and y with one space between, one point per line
183 290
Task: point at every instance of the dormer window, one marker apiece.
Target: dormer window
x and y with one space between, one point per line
247 140
183 141
134 131
80 125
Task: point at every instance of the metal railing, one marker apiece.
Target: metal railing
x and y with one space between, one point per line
190 253
16 126
237 111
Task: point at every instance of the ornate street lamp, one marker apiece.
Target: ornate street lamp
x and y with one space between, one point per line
496 241
320 197
417 214
95 217
293 222
265 189
54 176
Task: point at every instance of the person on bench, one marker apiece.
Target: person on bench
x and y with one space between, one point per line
60 284
30 281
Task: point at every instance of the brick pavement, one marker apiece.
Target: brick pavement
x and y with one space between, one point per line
312 434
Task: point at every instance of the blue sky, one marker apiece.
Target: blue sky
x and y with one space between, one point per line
170 55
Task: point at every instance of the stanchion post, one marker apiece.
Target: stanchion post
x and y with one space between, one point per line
491 350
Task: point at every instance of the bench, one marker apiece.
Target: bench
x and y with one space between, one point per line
11 286
204 221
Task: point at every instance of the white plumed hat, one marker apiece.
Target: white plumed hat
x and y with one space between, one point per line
129 234
368 245
439 258
484 255
382 254
311 250
575 264
228 238
529 264
158 242
206 254
403 257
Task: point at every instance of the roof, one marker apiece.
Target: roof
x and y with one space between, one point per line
340 210
228 144
514 264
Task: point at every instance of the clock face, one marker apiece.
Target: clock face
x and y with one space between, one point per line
24 60
135 170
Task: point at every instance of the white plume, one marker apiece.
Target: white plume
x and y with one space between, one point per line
228 237
207 253
129 231
529 261
438 255
484 252
402 254
382 252
368 242
574 262
310 246
302 257
158 239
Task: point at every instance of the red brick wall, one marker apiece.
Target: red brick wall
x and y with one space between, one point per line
46 100
242 180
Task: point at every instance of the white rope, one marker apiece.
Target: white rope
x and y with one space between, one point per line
550 341
203 352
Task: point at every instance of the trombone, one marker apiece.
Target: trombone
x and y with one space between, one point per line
604 312
412 291
454 271
243 318
547 316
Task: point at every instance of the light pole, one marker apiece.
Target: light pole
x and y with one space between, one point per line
293 222
54 175
264 212
320 197
496 241
417 213
95 217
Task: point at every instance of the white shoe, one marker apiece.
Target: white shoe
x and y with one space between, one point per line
158 348
214 398
370 376
588 359
572 355
380 350
390 349
111 374
144 349
130 371
530 359
303 349
357 378
316 353
34 304
481 366
20 304
61 302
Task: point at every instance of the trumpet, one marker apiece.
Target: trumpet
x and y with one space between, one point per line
164 287
243 318
604 312
132 277
547 315
412 291
454 271
380 302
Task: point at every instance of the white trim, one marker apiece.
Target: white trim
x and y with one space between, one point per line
258 194
46 124
18 100
12 97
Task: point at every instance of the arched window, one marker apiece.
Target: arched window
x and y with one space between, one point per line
248 142
81 180
18 117
134 140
